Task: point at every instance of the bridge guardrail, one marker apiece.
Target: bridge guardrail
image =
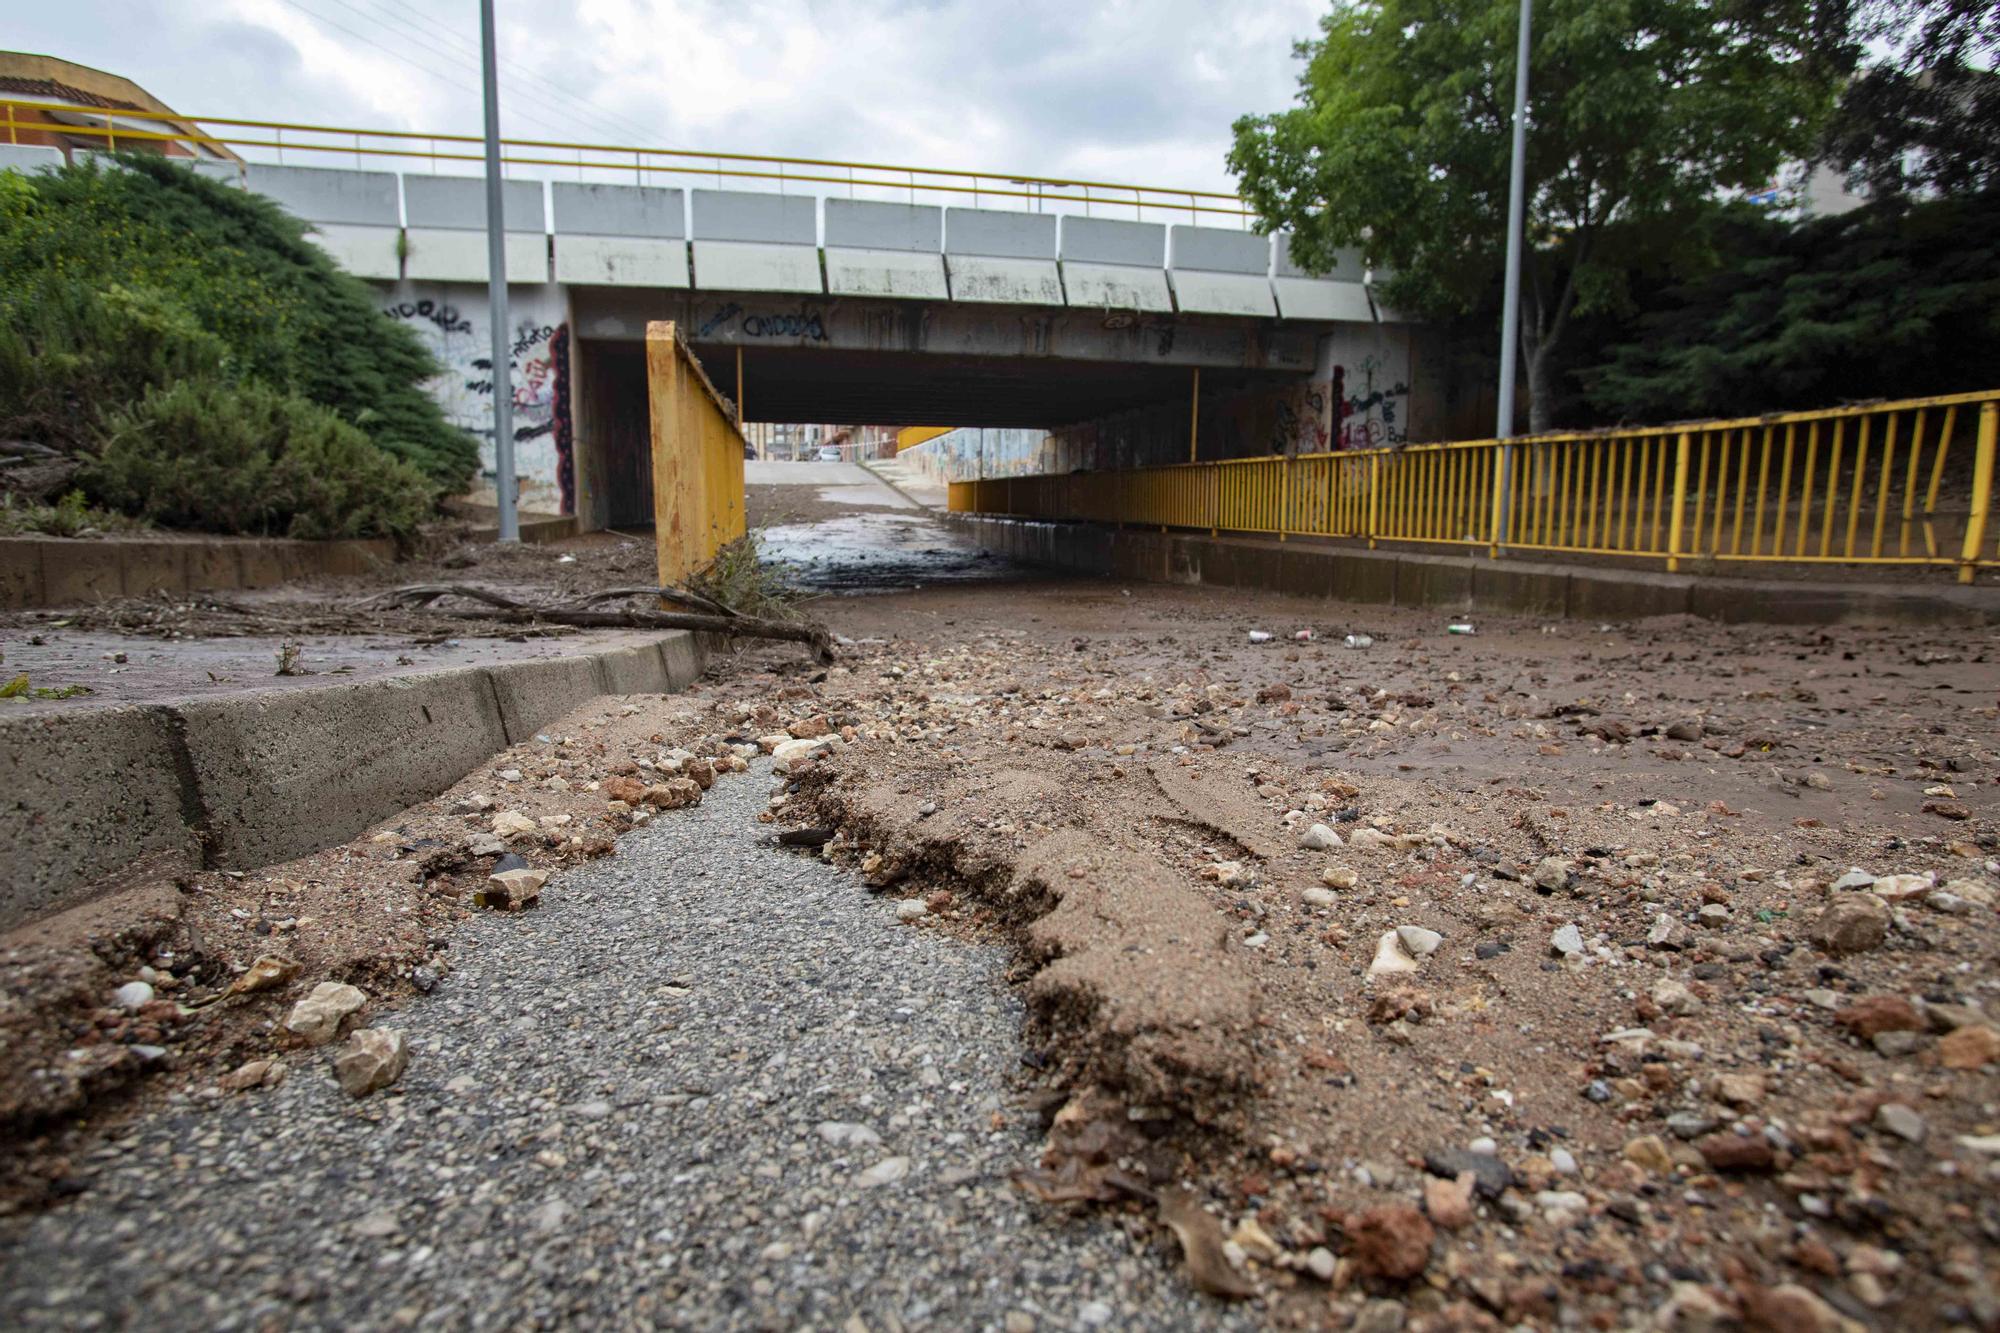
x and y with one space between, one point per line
419 147
1899 483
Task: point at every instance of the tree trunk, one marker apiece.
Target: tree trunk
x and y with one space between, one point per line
1541 390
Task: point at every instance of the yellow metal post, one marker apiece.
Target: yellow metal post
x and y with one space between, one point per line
1374 495
1194 419
1982 490
739 387
1680 494
1284 495
1500 489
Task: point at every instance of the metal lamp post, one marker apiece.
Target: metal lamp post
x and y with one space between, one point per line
496 292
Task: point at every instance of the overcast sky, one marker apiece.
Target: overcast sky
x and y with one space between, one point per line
1139 90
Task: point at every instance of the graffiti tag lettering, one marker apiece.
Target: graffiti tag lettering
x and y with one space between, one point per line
443 315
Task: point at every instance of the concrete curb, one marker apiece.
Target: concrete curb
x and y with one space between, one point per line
52 571
269 775
1461 584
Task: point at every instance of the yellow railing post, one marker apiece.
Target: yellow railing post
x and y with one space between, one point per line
1284 496
1500 488
1982 489
1374 495
1674 515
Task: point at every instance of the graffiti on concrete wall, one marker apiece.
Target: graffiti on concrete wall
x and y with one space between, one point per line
458 340
1301 423
1374 409
728 320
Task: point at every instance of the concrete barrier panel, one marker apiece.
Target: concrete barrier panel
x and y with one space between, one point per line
1335 295
21 574
877 249
747 242
640 669
1115 265
325 194
898 273
1103 241
1002 258
621 261
86 793
285 772
436 254
859 224
77 572
617 210
533 694
1441 581
152 567
458 203
1622 594
447 229
29 158
766 219
997 235
1218 272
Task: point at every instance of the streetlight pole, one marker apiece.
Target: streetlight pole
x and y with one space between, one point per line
1510 307
496 292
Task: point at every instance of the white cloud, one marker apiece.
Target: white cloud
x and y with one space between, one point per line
1134 90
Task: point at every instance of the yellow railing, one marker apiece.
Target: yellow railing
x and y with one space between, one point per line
697 453
418 150
1902 483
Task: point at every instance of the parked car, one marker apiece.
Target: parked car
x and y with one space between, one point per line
828 453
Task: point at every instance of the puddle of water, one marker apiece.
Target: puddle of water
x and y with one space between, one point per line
879 552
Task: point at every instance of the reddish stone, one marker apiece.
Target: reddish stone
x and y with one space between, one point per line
1727 1151
1391 1240
1971 1047
629 790
1872 1014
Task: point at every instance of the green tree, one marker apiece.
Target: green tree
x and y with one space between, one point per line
1927 114
1642 112
1894 300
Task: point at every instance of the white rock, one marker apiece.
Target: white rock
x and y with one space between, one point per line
1417 941
1390 957
1855 878
1893 889
1319 838
371 1060
1563 1161
133 994
1567 941
317 1018
1320 1263
1674 998
1551 873
509 775
1371 839
512 823
1971 891
846 1134
885 1172
1339 877
910 909
1318 898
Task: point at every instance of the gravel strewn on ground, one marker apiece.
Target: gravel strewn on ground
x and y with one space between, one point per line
660 1099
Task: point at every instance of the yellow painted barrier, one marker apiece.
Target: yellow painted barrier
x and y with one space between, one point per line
697 458
1894 483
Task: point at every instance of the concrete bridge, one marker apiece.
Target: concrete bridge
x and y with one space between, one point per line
1130 341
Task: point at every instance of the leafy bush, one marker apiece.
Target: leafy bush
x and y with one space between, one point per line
113 281
247 458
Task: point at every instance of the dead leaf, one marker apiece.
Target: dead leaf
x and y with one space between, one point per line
1200 1236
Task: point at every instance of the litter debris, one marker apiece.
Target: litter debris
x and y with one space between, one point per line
1303 636
1359 641
1460 627
1260 636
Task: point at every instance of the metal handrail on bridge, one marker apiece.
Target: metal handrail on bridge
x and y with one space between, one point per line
424 147
1871 484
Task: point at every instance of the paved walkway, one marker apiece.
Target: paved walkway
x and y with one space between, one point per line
710 1084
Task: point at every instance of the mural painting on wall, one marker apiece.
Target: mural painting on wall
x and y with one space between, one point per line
1372 408
464 386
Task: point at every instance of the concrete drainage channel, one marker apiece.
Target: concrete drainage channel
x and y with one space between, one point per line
266 776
